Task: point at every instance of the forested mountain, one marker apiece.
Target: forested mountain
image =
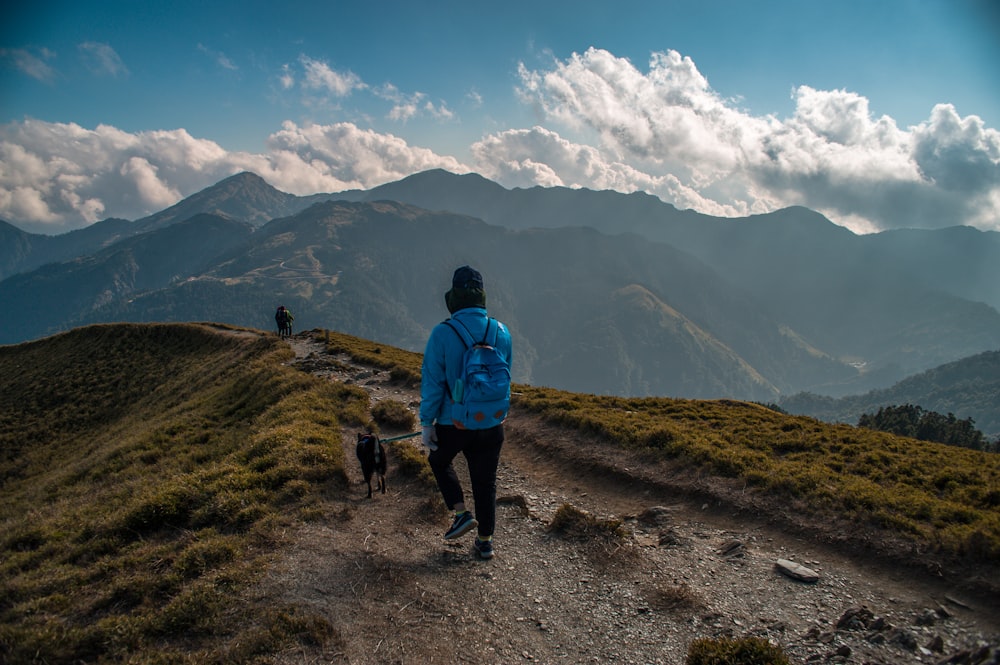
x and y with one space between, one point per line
968 388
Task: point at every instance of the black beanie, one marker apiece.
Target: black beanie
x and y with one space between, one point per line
467 278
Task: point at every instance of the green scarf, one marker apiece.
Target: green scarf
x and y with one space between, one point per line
457 299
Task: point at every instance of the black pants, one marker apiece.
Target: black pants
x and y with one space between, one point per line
481 448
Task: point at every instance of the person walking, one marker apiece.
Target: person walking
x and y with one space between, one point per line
446 434
283 317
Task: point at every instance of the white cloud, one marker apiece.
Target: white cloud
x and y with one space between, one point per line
328 158
54 177
525 158
607 125
101 59
287 78
831 155
408 106
28 63
320 76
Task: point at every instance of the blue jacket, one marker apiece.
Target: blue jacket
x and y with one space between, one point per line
443 357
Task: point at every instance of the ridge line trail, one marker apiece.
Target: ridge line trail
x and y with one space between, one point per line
396 592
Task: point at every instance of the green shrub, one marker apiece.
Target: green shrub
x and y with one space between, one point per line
412 461
730 651
393 414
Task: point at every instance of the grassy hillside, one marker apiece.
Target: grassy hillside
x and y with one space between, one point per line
145 474
939 498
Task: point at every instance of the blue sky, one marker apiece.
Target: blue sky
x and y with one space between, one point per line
879 114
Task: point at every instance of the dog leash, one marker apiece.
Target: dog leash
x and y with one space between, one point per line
401 437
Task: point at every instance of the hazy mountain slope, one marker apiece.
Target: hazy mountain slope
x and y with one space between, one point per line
890 300
968 388
15 246
59 296
380 271
831 296
697 364
21 251
958 259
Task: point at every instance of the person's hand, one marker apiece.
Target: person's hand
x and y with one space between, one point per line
430 437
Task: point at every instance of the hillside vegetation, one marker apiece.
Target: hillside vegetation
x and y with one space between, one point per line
939 498
149 473
932 497
970 386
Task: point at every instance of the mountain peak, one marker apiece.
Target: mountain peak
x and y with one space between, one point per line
244 197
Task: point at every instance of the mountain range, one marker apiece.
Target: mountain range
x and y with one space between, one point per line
968 388
606 293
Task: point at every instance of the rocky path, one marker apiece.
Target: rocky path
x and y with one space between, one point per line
398 593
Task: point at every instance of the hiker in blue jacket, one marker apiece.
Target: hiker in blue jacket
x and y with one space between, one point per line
443 366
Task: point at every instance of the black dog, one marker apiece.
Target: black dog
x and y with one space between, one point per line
371 454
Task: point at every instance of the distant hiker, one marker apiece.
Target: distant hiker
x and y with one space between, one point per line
451 418
283 317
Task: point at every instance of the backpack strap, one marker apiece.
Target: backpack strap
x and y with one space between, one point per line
496 331
463 334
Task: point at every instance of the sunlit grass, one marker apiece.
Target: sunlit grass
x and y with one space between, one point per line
942 497
403 366
147 471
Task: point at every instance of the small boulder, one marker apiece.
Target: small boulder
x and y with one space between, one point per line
796 571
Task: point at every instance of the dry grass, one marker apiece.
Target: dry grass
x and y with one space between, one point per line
393 414
403 366
607 538
147 472
735 651
679 598
943 498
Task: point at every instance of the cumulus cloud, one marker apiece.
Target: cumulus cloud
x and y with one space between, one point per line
605 124
410 105
538 156
55 176
343 156
831 155
102 60
320 76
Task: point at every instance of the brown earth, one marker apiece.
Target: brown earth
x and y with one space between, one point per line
698 562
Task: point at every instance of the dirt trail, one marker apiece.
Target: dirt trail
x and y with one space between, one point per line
379 570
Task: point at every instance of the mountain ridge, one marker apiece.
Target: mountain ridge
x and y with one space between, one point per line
969 388
772 272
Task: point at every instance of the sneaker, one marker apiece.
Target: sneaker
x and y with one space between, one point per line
484 548
462 525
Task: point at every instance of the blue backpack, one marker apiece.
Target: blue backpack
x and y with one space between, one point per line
481 395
